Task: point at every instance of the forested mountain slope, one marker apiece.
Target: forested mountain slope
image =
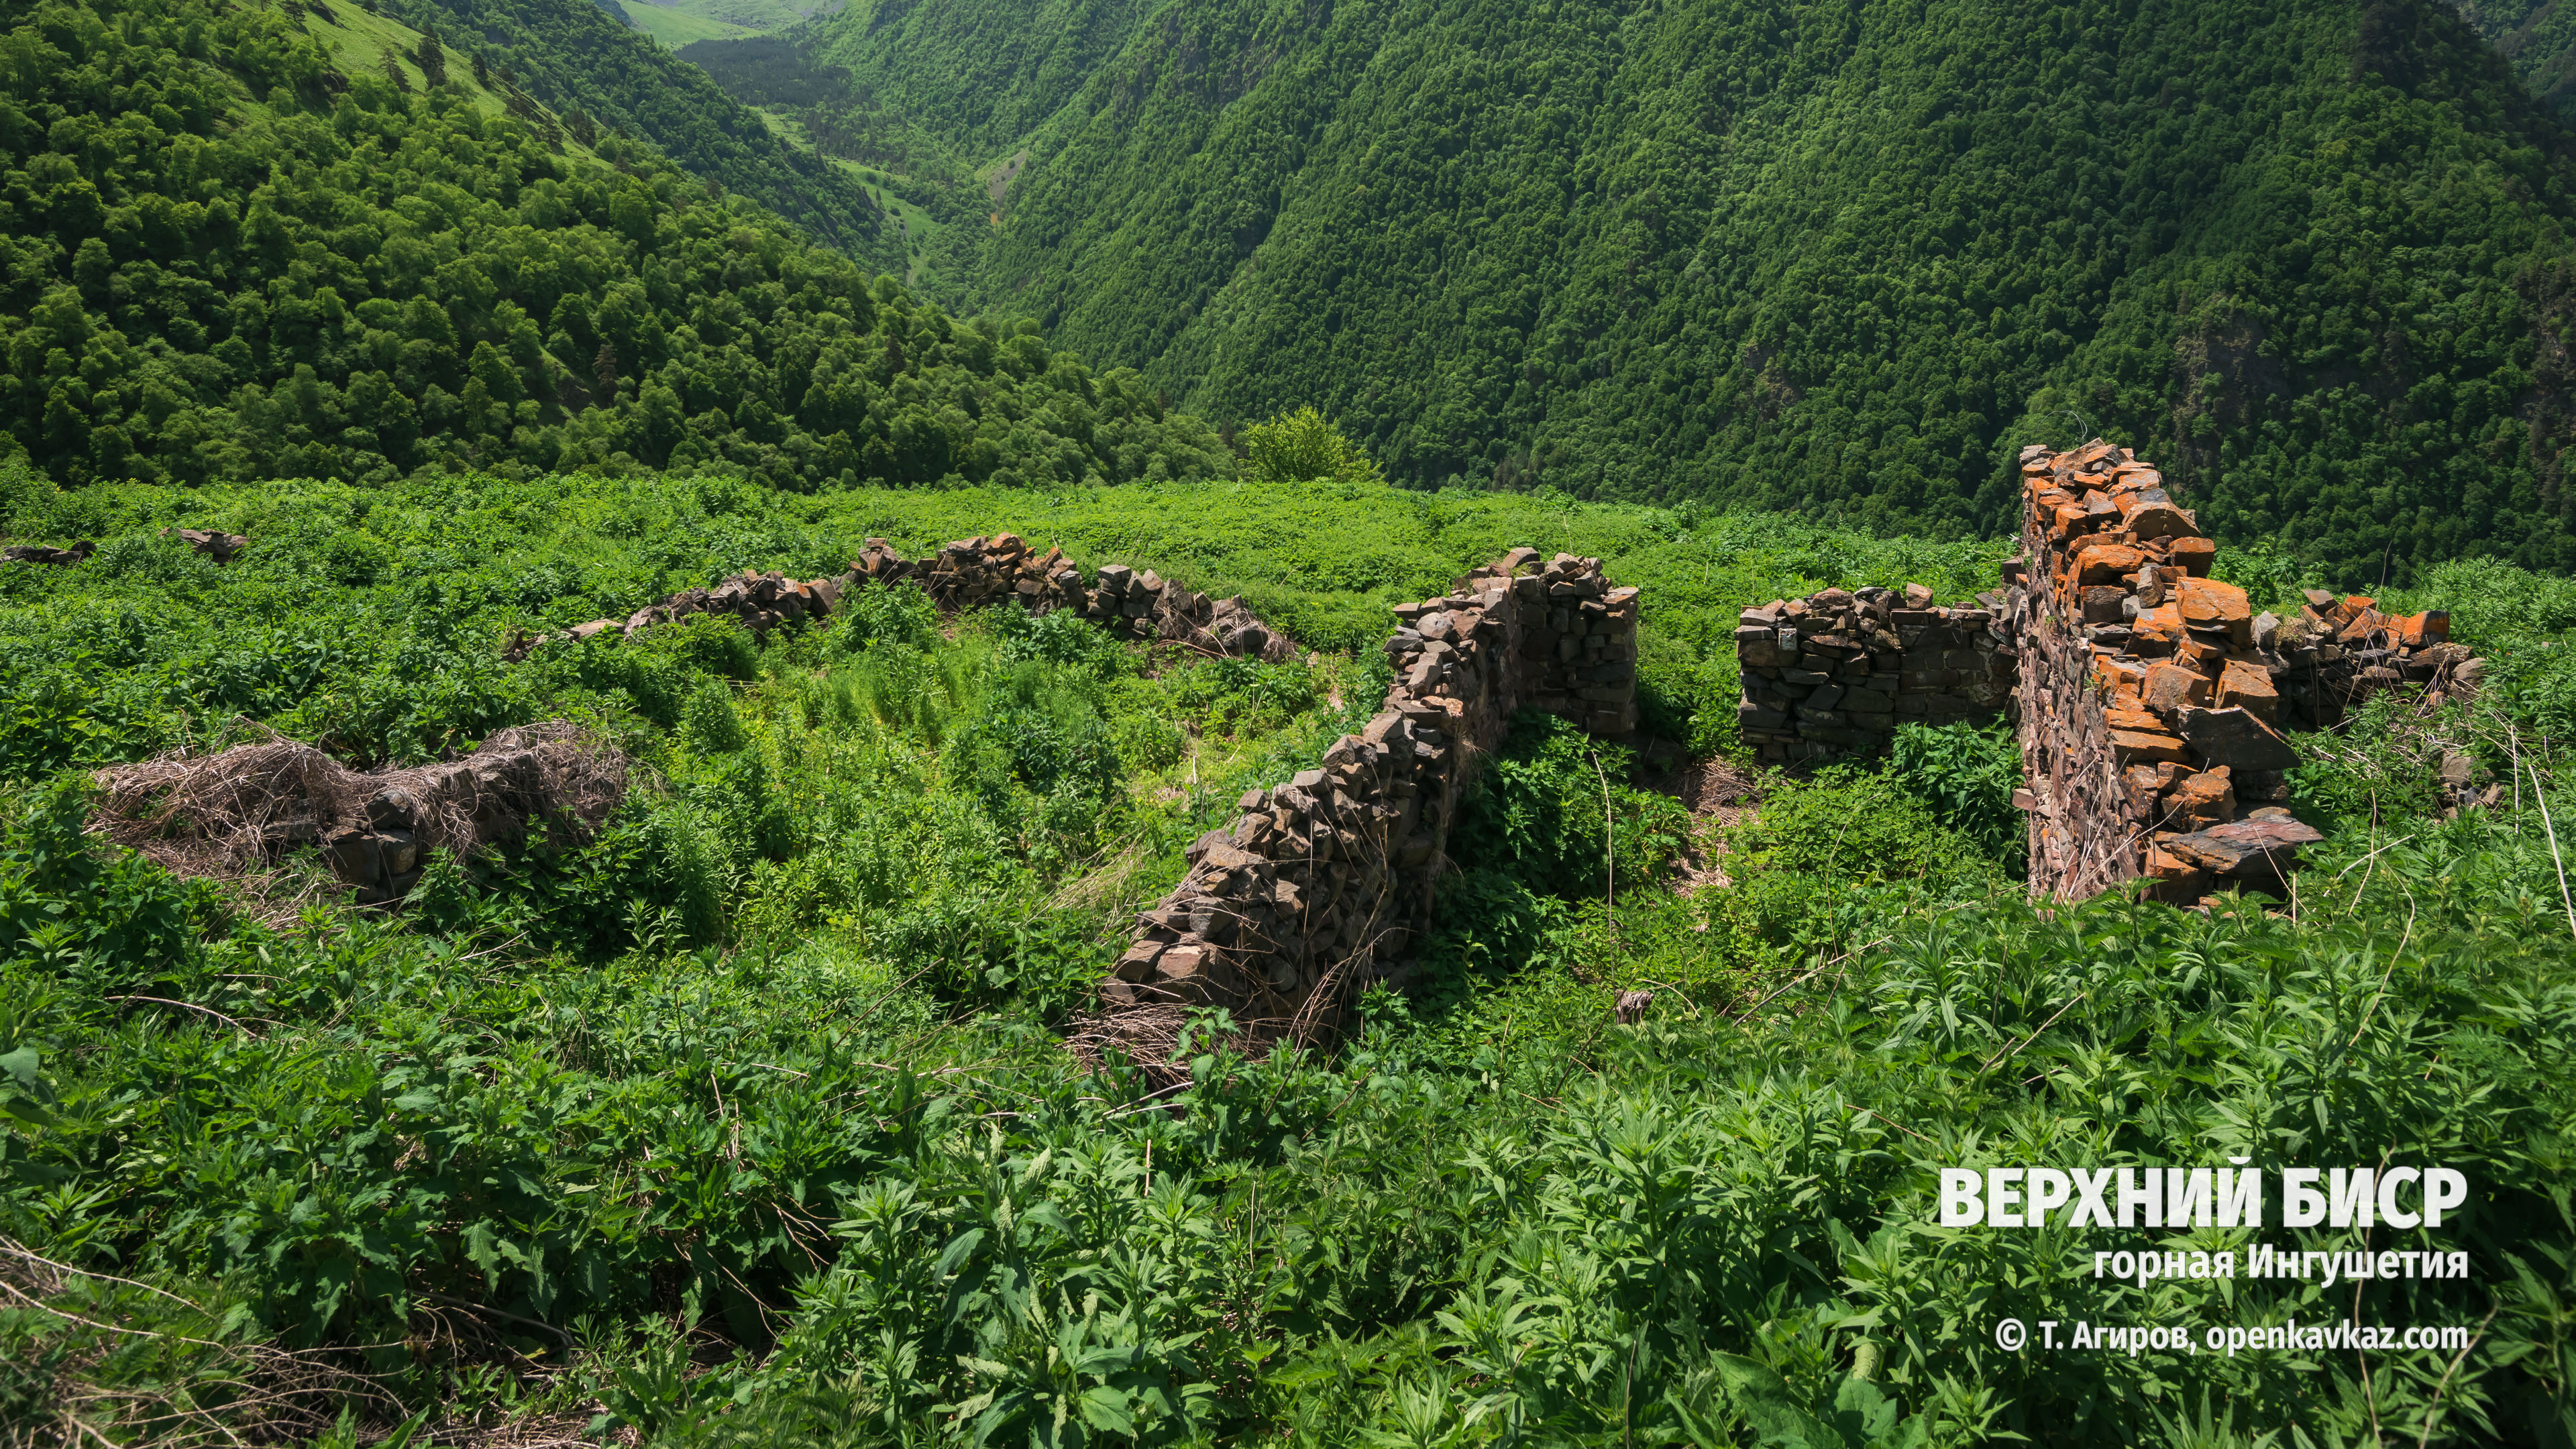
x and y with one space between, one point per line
2539 38
358 281
1833 256
573 53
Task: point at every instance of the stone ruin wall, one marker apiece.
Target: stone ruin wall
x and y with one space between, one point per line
1325 882
1831 677
2149 698
963 575
2153 698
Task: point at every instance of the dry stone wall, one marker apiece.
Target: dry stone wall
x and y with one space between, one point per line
1132 605
2153 698
1831 676
2150 698
968 574
1323 883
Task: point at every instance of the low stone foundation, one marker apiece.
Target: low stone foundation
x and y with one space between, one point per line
970 573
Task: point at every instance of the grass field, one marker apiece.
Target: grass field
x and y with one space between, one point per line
673 26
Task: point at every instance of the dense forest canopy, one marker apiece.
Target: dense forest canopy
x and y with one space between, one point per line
1834 256
575 53
2538 37
351 280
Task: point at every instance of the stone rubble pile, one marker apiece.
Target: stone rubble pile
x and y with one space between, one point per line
2338 652
2151 696
762 602
1324 882
491 795
1140 606
237 813
213 543
1832 676
36 553
971 573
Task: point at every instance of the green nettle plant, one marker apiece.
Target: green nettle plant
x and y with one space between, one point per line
1967 774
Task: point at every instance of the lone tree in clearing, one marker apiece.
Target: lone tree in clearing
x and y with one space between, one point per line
1303 445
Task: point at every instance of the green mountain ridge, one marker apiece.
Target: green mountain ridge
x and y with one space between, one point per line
1843 258
2538 38
366 276
577 54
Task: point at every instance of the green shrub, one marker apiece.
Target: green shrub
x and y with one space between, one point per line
1039 731
26 496
1967 773
1058 636
873 614
1686 699
709 723
1303 445
93 917
1853 826
1237 692
146 557
2379 766
1553 810
1147 742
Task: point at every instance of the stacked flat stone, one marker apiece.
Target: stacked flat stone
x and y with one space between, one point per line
1578 638
1131 605
2150 700
2339 652
762 602
1323 883
494 791
1831 676
976 572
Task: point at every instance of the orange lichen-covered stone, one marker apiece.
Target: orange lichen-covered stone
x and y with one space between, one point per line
2152 517
2433 626
2192 555
2176 879
2141 747
2125 717
2164 621
2120 681
2209 604
2103 563
2170 687
2205 799
2250 685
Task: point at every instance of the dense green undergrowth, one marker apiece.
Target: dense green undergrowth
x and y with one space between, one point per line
750 1122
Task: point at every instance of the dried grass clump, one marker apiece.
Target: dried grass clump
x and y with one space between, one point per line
236 815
